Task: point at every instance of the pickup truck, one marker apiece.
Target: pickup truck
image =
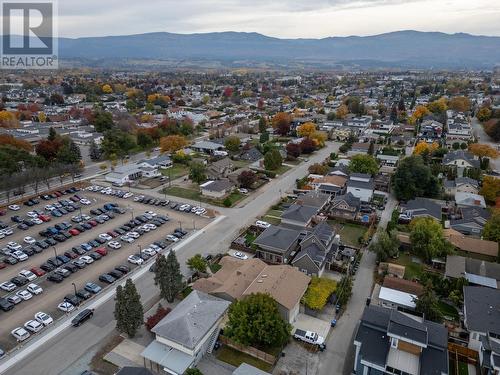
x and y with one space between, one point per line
310 337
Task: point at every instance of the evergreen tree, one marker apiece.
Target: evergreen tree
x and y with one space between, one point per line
262 125
129 313
264 137
94 151
52 134
428 304
168 276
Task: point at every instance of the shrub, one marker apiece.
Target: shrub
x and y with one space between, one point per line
160 313
318 292
227 202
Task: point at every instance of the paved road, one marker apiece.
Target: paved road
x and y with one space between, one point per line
482 137
59 353
338 359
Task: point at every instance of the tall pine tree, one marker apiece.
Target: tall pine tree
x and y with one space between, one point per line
129 313
168 276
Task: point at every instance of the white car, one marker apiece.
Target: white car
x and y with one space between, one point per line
37 221
134 235
7 231
86 202
28 274
20 333
34 289
49 207
32 214
149 251
127 195
43 318
29 240
243 191
239 255
8 286
127 239
134 259
105 237
200 211
14 245
86 259
19 255
152 213
172 238
33 326
14 207
145 228
2 235
65 306
24 295
155 247
150 226
114 245
262 224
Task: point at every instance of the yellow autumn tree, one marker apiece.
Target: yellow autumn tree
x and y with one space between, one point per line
42 117
319 138
306 129
8 120
342 111
420 112
152 98
438 106
490 189
482 150
423 146
172 143
107 89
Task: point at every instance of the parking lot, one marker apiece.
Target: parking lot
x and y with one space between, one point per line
53 293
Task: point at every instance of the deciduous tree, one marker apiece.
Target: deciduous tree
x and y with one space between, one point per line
172 143
247 178
197 172
428 304
281 123
318 168
459 104
307 146
197 263
483 150
427 239
363 164
414 179
484 114
306 129
492 228
490 189
232 143
385 246
293 149
272 160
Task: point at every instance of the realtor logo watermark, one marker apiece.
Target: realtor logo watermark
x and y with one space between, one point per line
29 39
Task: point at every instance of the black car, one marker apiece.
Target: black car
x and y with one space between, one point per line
110 214
177 234
180 230
70 208
63 211
118 210
71 267
55 278
59 238
82 317
63 272
55 261
142 219
95 256
28 251
94 243
119 231
99 240
74 300
78 250
95 212
86 226
99 220
63 258
44 245
123 269
107 278
83 294
65 234
80 228
51 241
17 219
37 249
125 228
115 273
19 280
23 226
47 267
6 305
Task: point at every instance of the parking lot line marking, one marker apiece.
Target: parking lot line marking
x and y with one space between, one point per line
23 352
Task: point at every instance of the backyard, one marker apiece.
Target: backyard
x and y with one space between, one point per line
236 358
176 171
349 233
413 266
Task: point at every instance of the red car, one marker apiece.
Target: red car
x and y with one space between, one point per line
3 212
74 232
92 222
38 271
57 193
2 265
44 218
101 251
112 234
70 255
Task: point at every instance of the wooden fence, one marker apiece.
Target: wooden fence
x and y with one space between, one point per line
462 353
259 354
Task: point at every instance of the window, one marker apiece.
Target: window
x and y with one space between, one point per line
394 342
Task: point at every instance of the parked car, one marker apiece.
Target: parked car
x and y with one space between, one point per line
20 333
92 288
34 289
33 326
65 306
82 317
134 259
107 278
43 318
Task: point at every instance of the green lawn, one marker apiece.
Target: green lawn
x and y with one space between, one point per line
235 197
240 163
412 270
176 171
249 238
448 311
236 358
272 219
214 267
282 169
183 193
350 233
272 212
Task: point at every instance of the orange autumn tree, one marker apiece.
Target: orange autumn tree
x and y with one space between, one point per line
483 150
305 130
459 104
490 189
6 139
342 111
319 138
172 143
423 146
419 113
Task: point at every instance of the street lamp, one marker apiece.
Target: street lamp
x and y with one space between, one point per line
55 251
180 225
74 287
140 252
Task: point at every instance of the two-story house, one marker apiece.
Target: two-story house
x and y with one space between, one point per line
361 185
345 206
276 244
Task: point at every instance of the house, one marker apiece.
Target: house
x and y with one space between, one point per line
298 215
463 199
359 122
461 184
330 184
207 147
314 248
471 245
217 189
251 155
431 130
124 174
475 271
344 207
359 148
460 159
276 244
397 292
314 199
382 182
340 170
422 207
489 353
472 220
188 332
162 161
392 342
239 278
481 315
361 185
388 160
219 169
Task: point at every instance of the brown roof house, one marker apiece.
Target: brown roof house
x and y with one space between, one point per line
239 278
396 292
471 244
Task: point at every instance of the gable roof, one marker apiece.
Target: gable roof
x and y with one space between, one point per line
475 270
403 285
482 309
191 319
450 157
471 244
277 237
422 207
348 198
299 213
217 185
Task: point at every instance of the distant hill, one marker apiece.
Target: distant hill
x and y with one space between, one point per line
401 48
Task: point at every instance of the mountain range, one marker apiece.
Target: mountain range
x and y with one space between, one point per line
400 48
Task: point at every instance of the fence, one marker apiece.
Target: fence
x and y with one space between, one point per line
463 354
259 354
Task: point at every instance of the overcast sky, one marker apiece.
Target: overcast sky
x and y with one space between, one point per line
279 18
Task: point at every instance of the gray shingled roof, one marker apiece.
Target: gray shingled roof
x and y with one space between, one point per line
423 206
299 213
191 319
482 308
277 237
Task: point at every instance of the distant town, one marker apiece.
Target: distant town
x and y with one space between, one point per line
250 221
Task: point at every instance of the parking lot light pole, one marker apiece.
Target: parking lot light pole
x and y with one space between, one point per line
140 253
180 225
55 251
74 287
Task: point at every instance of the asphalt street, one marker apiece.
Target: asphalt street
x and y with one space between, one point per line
57 354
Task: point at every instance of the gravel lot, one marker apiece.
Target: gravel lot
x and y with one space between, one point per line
54 293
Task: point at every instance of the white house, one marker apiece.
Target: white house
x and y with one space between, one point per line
361 185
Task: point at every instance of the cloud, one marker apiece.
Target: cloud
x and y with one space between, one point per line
281 18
